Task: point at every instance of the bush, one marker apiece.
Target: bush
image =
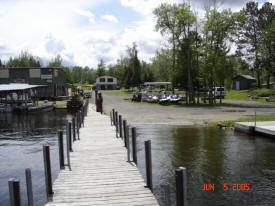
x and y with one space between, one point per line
265 92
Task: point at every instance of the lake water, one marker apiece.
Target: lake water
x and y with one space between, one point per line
210 155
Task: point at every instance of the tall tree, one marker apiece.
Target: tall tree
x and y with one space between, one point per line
218 30
101 68
267 50
250 39
56 62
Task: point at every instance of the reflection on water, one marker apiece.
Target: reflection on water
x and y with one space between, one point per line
211 156
21 140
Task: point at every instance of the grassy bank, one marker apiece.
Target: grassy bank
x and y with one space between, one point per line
244 94
118 93
230 123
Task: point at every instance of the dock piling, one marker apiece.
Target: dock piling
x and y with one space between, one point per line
29 186
128 143
120 126
181 190
148 162
111 118
47 169
124 131
74 136
14 190
69 130
61 149
116 120
134 145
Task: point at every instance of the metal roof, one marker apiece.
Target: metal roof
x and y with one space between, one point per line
17 87
246 76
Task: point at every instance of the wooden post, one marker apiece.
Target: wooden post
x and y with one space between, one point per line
111 118
82 112
77 125
134 144
69 133
120 126
167 198
148 161
124 131
47 169
61 150
68 151
127 144
181 190
29 186
79 117
74 136
14 190
113 110
116 120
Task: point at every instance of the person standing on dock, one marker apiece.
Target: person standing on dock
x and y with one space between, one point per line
99 101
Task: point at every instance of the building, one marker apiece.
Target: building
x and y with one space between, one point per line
53 78
106 83
242 82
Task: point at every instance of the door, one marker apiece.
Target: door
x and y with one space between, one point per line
237 85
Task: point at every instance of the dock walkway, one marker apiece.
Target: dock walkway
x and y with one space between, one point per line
264 128
100 173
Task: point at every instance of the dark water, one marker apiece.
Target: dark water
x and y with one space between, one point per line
213 156
21 141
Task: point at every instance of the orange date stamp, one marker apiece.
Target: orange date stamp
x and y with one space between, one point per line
228 187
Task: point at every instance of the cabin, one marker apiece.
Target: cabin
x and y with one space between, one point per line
241 82
54 79
106 83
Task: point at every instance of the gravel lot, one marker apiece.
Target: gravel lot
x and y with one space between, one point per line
157 114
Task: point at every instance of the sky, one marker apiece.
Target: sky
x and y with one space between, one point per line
85 31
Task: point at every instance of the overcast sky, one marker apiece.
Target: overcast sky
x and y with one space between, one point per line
84 31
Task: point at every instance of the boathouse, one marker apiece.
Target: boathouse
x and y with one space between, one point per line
106 83
53 78
241 82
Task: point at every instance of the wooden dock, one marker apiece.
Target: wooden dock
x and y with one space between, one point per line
100 173
266 128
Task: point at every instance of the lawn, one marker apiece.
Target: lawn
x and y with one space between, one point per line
230 123
244 94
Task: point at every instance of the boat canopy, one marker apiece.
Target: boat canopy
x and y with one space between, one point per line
157 83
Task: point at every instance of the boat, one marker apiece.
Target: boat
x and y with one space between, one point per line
30 108
175 98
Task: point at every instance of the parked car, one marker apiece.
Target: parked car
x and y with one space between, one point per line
218 92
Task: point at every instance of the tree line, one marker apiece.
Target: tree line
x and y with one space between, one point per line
201 53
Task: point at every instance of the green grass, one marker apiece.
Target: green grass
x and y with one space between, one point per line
230 123
118 93
243 94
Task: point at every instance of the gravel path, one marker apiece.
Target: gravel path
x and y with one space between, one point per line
174 115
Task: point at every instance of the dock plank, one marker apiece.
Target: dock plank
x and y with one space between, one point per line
100 174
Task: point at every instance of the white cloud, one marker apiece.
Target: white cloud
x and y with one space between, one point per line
110 18
69 28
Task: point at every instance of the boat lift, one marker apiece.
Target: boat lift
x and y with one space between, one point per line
7 98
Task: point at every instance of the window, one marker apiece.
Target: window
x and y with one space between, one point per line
110 79
4 73
102 80
35 73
